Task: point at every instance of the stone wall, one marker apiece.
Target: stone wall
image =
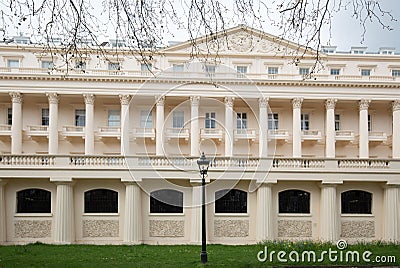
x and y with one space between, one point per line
231 228
166 228
32 228
358 229
100 228
294 228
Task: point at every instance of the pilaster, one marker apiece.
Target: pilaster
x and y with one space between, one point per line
396 129
391 225
194 126
296 103
265 213
125 100
330 128
89 123
16 127
133 213
160 100
53 122
3 222
329 215
229 101
263 124
363 129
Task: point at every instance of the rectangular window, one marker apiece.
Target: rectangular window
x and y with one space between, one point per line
337 122
114 66
47 64
241 70
273 121
114 118
210 120
335 71
178 119
241 121
80 65
304 71
305 122
177 68
272 70
80 117
365 72
45 117
210 70
9 116
13 63
395 72
146 67
369 123
146 119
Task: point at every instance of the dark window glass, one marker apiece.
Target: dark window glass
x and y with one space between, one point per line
305 122
80 115
294 201
9 116
210 121
45 117
101 201
33 201
337 122
166 201
356 202
231 201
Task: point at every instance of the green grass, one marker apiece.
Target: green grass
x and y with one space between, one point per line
43 255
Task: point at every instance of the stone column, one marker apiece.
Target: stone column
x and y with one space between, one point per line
263 126
229 126
3 222
53 122
297 102
125 100
16 127
265 214
195 230
329 217
64 231
133 213
89 123
363 129
160 100
194 126
391 225
330 128
396 129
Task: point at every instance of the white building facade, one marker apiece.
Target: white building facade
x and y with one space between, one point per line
105 151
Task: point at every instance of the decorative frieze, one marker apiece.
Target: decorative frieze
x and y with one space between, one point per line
16 97
330 103
263 102
396 105
160 100
364 104
358 229
100 228
294 228
297 102
229 101
32 228
231 228
194 100
89 98
53 98
125 99
166 228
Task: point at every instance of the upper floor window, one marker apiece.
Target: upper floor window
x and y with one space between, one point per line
166 201
356 202
241 121
80 117
304 71
210 70
9 116
80 65
273 121
395 72
305 122
47 64
177 68
146 119
178 119
231 201
365 72
210 120
45 117
33 201
114 118
101 201
241 70
272 70
369 123
294 201
146 67
114 66
335 71
13 63
337 122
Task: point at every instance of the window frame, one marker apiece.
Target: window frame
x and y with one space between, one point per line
146 119
115 122
80 117
42 209
178 119
45 117
337 122
369 123
15 61
304 71
270 68
234 197
50 64
107 202
114 66
347 207
365 72
9 116
395 73
210 121
296 207
334 71
178 67
241 120
158 202
273 121
305 121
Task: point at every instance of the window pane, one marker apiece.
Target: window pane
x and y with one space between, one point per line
9 116
178 119
45 117
177 68
356 202
231 201
166 201
113 66
369 123
47 64
101 201
241 69
80 65
210 120
241 121
335 71
294 201
273 121
146 67
272 70
80 117
13 63
304 71
305 123
114 118
395 72
146 120
33 201
337 122
365 72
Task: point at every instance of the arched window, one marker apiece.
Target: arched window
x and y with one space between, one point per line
166 201
356 202
33 201
230 201
294 201
101 201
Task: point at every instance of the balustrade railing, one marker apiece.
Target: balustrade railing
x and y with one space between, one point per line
27 160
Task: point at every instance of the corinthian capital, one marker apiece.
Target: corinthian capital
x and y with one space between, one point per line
160 100
330 103
16 97
124 99
396 105
364 104
229 101
297 102
194 100
89 98
263 102
53 97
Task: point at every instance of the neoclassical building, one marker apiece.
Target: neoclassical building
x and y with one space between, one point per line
104 149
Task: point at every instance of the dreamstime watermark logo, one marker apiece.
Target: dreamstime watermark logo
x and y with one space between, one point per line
340 254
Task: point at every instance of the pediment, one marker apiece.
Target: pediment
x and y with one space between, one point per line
241 40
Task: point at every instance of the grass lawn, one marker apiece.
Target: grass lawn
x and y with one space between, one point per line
43 255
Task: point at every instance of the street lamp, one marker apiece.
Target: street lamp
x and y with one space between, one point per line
203 163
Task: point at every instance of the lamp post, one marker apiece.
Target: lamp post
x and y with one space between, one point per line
203 164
